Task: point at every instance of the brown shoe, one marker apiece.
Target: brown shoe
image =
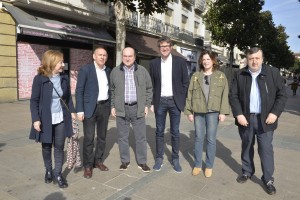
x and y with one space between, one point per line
88 172
101 166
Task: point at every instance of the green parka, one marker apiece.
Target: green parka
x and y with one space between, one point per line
218 94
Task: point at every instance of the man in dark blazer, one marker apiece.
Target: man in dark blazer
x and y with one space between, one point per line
170 81
93 108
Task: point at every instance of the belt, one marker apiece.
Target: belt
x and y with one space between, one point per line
102 101
167 97
131 104
255 114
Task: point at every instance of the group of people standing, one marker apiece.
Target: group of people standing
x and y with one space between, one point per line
127 92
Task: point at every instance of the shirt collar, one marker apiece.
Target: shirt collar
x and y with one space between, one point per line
168 58
98 68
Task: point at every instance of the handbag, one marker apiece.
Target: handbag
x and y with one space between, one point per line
73 147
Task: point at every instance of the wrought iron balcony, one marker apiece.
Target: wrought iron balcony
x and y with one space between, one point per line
132 19
151 24
171 30
191 2
186 36
200 6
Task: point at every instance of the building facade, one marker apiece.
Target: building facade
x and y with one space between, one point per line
30 27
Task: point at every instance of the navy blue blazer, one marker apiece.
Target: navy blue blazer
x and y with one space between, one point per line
180 81
40 107
87 89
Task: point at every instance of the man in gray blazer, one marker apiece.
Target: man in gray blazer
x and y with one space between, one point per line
93 108
170 81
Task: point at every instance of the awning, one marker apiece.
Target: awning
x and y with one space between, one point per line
28 24
146 45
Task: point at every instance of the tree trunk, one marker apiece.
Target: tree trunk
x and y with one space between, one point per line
231 71
120 30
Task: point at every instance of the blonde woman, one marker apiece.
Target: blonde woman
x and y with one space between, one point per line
51 118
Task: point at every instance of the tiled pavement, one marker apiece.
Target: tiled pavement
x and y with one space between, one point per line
22 172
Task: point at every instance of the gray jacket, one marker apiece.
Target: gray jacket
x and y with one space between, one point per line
143 89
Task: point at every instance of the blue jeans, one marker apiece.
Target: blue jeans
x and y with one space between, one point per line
205 124
167 105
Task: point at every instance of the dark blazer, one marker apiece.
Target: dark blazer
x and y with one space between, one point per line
40 107
272 92
87 89
180 81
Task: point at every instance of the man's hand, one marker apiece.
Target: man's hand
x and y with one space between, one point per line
152 108
80 116
242 120
222 117
271 118
37 126
146 111
190 118
113 112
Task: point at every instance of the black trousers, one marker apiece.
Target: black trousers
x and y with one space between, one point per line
265 148
58 143
99 120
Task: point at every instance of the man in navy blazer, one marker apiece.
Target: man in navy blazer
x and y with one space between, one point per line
170 81
93 108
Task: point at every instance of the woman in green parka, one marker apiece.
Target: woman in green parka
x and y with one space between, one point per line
206 105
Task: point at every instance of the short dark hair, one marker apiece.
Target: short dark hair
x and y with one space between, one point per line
253 50
164 39
212 56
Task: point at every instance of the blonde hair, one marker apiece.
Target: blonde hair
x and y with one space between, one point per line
49 60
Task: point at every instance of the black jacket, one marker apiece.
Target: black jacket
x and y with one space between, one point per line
272 93
180 81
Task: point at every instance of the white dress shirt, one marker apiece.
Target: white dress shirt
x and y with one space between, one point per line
166 77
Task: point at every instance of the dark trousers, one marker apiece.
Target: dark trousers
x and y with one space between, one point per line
58 143
99 119
167 105
265 148
139 130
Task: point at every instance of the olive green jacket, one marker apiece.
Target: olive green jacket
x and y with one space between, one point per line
218 94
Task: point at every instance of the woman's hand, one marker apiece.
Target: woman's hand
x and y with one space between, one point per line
190 118
222 117
74 116
37 126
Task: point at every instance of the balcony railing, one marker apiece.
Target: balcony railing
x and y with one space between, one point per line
151 24
171 30
200 6
186 36
191 2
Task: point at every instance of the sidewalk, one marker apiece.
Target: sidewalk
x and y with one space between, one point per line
22 171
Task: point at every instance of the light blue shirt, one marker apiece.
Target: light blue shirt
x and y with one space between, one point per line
56 109
255 100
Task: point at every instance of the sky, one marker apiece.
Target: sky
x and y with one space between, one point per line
287 13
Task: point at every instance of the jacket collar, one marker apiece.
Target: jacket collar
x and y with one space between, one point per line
263 72
46 78
135 65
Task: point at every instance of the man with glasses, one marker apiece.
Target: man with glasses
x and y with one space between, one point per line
170 81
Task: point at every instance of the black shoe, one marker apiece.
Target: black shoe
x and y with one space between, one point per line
270 188
62 183
124 166
48 176
243 178
144 167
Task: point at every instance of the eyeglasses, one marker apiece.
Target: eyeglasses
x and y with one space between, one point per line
166 46
206 80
